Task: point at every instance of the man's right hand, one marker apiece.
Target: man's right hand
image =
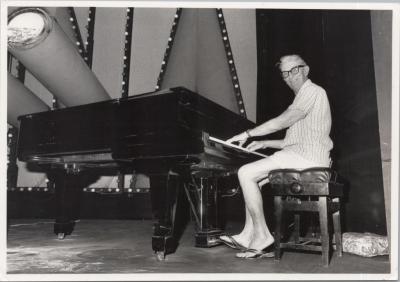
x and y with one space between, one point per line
256 145
240 138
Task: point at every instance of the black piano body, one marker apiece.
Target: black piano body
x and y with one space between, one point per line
163 134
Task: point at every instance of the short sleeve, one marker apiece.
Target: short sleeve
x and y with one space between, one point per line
305 100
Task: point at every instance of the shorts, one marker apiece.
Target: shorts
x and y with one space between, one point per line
287 159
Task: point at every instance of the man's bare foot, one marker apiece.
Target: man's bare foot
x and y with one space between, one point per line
257 247
242 239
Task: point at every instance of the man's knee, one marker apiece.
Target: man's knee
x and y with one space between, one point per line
247 172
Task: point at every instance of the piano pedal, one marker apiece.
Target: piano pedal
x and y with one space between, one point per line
160 256
208 239
60 236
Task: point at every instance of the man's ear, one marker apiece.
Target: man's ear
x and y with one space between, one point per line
306 70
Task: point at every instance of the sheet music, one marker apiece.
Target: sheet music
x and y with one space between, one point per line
236 146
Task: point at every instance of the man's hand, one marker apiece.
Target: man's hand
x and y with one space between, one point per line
256 145
240 138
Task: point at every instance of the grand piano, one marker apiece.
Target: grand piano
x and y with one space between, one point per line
164 134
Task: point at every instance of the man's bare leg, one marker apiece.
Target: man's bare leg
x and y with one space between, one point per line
249 176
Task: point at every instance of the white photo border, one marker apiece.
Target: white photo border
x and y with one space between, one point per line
393 275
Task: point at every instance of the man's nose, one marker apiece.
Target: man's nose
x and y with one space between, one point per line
291 75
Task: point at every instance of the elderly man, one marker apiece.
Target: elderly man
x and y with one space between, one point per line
306 144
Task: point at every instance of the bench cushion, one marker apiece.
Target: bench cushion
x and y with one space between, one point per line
311 181
315 175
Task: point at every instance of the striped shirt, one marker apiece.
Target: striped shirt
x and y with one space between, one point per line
309 137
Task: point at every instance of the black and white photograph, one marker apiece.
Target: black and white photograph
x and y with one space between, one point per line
178 141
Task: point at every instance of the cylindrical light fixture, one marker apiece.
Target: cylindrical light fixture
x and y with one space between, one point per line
21 101
36 39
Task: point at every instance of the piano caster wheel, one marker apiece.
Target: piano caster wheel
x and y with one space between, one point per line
60 236
160 256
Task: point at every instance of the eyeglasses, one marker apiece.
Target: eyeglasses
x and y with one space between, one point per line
293 71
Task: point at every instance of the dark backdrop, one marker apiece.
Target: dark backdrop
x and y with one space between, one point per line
338 47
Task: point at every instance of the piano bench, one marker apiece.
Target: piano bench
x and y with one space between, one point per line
301 192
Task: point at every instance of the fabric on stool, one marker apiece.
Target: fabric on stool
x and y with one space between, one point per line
316 175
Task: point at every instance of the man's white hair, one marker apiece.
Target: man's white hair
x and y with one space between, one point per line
293 57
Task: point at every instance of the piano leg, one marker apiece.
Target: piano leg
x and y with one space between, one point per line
170 208
68 188
203 195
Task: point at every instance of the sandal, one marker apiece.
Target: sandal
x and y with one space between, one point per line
267 252
232 243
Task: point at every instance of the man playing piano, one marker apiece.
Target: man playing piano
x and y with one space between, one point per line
306 144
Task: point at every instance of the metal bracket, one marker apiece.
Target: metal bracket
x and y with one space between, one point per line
72 168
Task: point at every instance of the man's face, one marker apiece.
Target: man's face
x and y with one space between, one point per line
297 73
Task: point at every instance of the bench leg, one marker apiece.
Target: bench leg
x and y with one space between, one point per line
323 221
278 226
338 233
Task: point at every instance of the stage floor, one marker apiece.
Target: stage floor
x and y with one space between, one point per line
124 246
